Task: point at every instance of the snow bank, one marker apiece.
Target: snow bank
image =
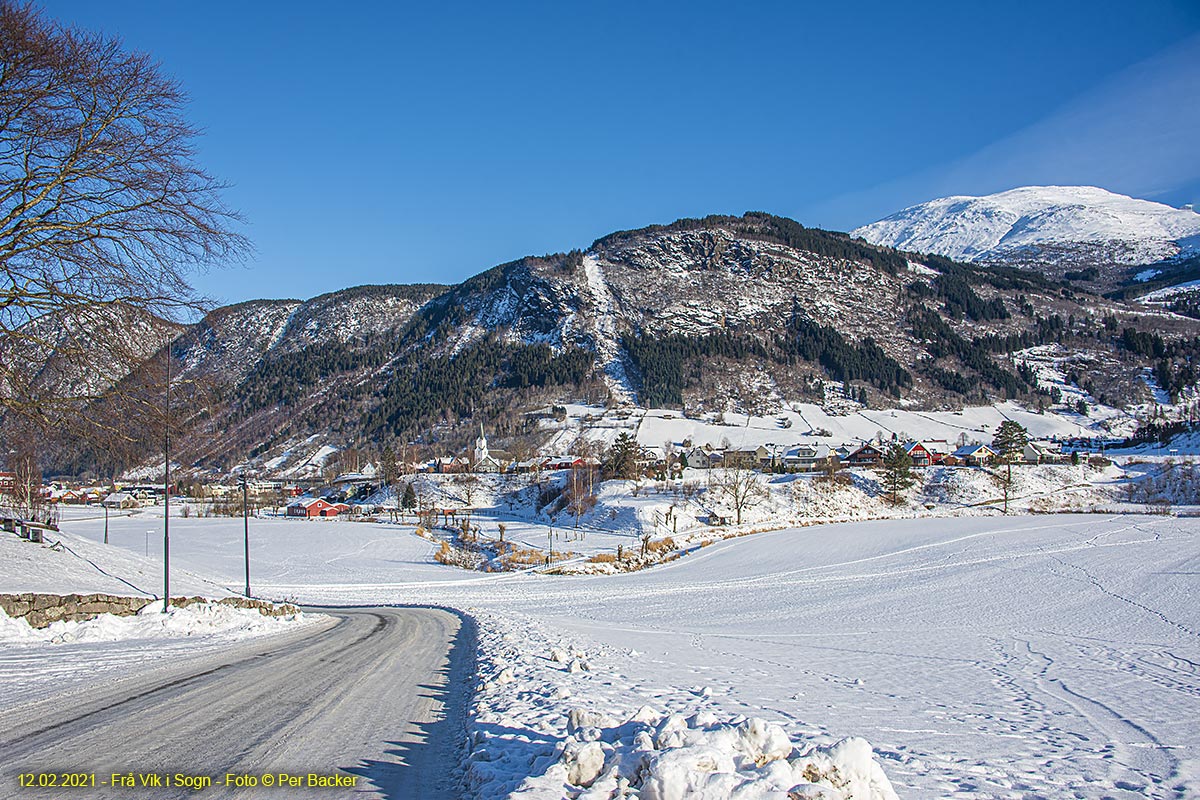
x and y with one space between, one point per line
552 720
200 619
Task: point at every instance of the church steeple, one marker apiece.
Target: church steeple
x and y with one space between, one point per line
481 446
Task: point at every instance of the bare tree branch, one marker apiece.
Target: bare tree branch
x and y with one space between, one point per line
104 212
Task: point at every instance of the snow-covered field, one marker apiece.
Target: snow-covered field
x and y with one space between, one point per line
1038 656
807 423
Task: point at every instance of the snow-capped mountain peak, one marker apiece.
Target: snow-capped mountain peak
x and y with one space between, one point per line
996 226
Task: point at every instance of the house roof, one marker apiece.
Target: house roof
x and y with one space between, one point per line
815 451
974 450
305 502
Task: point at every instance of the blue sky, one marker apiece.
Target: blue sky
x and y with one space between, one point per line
384 142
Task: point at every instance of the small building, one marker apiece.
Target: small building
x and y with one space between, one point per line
451 465
758 456
121 500
865 455
919 453
565 462
972 455
309 507
702 458
1042 452
651 456
938 450
807 457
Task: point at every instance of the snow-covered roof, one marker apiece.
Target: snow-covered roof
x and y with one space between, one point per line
968 450
806 451
305 502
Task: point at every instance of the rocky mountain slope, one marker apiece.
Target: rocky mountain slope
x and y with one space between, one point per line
702 315
1058 229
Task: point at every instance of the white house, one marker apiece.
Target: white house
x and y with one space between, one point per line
121 500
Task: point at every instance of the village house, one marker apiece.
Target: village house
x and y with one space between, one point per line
807 457
757 456
919 453
651 457
565 462
865 455
314 507
938 450
530 465
972 455
702 457
121 500
1042 452
451 465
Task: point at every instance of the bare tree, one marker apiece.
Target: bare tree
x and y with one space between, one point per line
103 213
23 497
738 484
468 489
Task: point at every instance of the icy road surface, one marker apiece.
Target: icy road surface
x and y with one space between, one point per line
375 698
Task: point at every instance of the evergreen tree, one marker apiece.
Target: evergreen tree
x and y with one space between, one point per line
1010 440
622 457
388 470
1009 444
897 472
409 501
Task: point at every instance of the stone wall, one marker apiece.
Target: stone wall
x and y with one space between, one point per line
39 610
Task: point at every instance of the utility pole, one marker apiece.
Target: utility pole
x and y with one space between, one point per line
246 524
167 490
105 521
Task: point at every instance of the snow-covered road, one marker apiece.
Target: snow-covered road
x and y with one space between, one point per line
377 699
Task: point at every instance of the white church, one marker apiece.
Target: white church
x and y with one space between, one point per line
485 460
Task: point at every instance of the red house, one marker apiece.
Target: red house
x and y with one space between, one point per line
919 453
312 507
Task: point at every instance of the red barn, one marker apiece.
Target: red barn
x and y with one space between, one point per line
312 507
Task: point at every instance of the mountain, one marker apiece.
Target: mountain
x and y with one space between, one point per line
1055 229
702 315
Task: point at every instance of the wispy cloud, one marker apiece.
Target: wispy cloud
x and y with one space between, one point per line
1137 133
